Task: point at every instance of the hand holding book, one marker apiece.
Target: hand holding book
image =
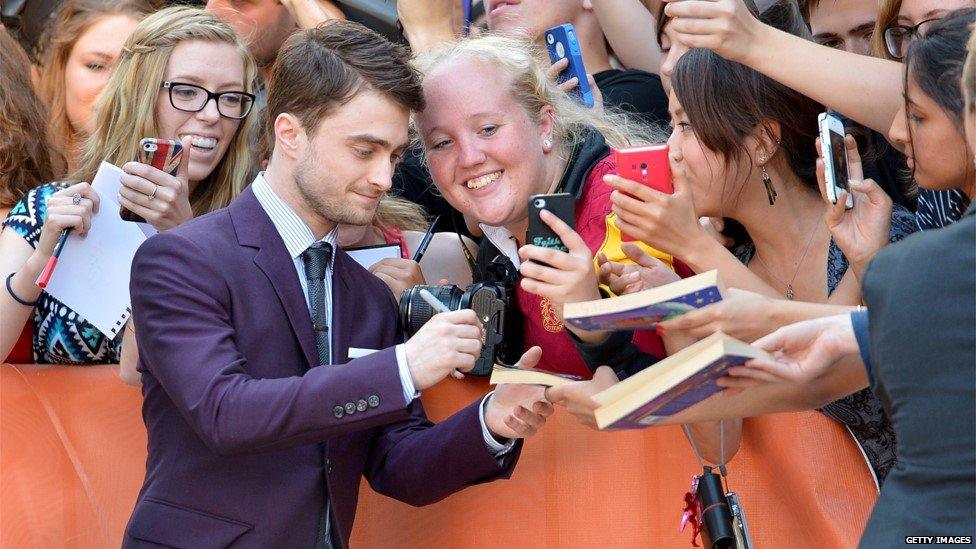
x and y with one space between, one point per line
803 352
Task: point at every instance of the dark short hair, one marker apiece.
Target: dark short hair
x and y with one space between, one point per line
936 62
320 69
703 83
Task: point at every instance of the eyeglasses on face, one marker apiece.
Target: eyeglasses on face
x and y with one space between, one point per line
192 98
897 37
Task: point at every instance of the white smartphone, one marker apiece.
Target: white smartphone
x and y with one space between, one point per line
836 173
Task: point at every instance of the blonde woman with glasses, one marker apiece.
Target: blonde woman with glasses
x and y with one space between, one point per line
182 75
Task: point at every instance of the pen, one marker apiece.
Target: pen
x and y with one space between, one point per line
433 301
417 255
45 276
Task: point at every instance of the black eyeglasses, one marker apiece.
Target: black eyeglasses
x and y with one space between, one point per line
898 37
192 98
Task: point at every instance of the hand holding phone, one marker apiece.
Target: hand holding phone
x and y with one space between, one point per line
562 44
646 165
563 206
836 171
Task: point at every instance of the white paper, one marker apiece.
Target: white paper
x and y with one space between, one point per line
367 257
356 352
92 275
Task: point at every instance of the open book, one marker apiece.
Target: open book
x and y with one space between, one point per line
645 309
673 384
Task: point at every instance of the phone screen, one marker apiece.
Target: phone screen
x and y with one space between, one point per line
838 159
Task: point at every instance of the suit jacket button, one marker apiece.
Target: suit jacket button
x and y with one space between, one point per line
361 406
338 412
350 408
373 401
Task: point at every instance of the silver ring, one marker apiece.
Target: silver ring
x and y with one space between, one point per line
76 199
153 193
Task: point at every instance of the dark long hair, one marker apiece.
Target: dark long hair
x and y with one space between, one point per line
935 61
726 101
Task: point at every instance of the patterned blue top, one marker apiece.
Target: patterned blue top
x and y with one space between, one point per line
860 412
60 336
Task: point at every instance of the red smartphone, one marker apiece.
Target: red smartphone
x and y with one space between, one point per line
646 165
162 154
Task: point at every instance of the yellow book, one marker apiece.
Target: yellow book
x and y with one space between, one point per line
643 310
528 376
673 384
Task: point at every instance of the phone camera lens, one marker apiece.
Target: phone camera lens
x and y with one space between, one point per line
540 203
550 39
643 165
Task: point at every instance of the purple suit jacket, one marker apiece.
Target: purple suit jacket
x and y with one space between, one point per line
235 414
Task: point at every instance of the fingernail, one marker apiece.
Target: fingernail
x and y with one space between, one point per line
659 330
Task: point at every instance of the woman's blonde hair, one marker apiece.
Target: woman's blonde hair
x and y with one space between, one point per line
73 19
126 110
526 64
887 15
394 212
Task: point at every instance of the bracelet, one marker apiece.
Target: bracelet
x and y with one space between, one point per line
10 290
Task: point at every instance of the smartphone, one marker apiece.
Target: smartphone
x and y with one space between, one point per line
562 43
646 165
836 173
563 205
162 154
466 13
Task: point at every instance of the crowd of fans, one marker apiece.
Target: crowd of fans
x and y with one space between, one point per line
870 310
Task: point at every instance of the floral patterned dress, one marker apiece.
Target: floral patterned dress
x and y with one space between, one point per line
860 412
60 336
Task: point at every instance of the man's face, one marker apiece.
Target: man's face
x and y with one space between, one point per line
345 165
844 24
263 24
531 17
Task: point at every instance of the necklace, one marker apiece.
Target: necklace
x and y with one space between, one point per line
789 285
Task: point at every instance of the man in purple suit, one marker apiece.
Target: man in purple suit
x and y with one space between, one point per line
273 369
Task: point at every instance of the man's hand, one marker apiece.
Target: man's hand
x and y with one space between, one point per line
516 410
447 342
577 397
803 352
399 274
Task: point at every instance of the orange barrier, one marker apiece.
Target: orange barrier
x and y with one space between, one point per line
72 458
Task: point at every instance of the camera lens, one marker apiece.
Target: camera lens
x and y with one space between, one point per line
415 312
643 165
540 203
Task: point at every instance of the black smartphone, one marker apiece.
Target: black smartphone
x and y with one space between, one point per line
563 206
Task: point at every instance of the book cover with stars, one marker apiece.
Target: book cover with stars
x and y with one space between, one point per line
672 385
643 310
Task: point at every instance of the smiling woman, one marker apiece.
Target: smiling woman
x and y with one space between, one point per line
175 45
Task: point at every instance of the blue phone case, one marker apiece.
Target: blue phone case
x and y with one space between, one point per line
466 11
561 42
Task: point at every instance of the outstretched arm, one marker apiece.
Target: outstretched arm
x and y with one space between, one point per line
865 89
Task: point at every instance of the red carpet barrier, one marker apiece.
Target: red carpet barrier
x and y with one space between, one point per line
72 457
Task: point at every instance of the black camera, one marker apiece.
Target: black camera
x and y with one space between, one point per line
722 518
489 300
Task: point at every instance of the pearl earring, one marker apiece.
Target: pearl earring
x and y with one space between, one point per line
547 143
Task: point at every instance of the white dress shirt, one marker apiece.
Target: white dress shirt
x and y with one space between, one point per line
297 237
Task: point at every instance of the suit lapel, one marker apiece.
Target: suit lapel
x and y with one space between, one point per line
255 230
341 306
